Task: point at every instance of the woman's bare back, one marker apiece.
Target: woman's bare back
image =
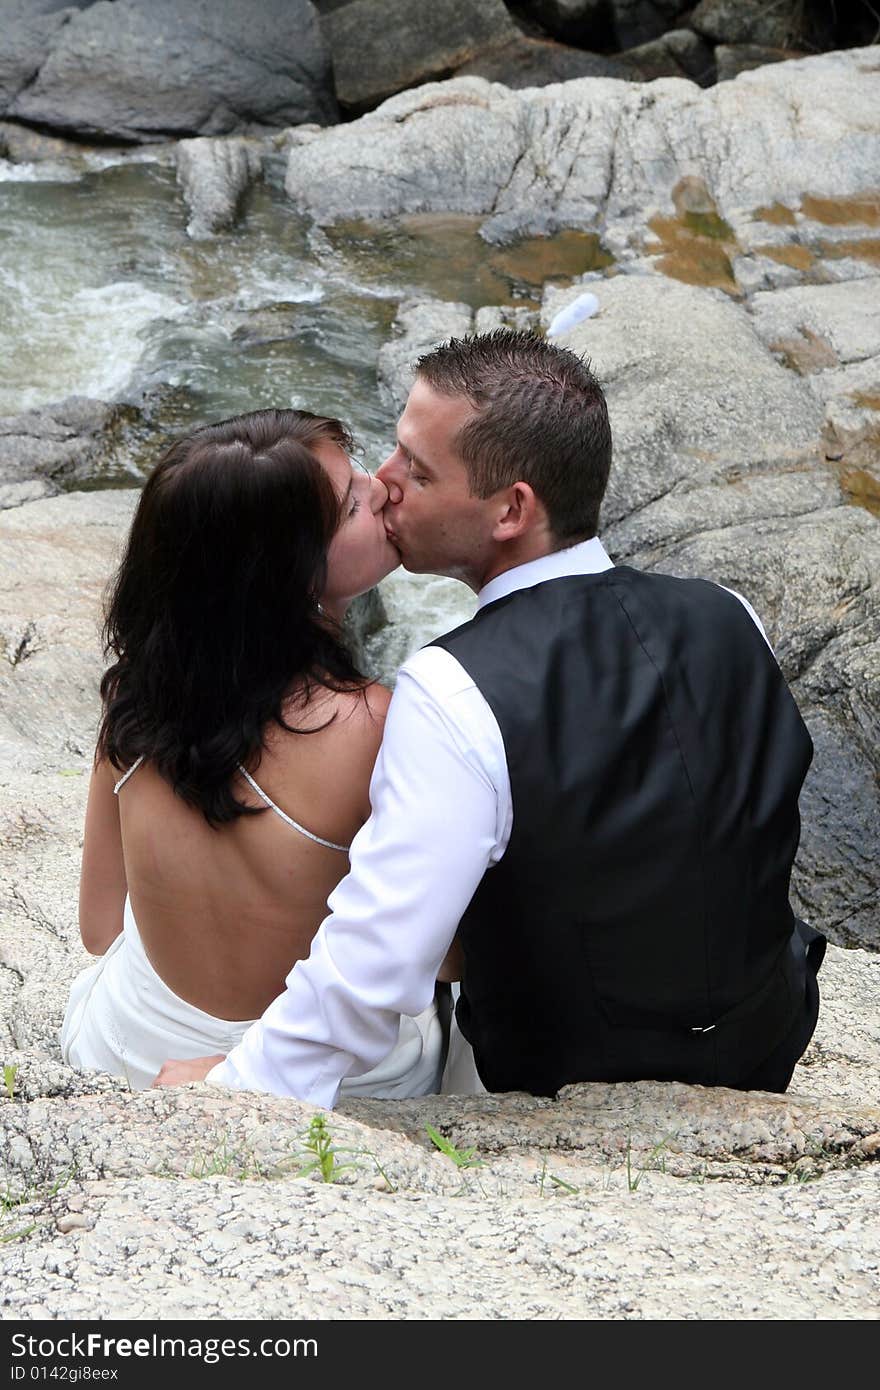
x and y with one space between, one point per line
224 913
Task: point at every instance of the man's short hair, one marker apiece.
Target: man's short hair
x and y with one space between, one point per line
542 420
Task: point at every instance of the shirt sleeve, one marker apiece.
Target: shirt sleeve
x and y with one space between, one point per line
435 828
751 612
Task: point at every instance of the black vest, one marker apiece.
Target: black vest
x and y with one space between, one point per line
638 925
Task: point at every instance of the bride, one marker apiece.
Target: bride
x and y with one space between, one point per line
235 749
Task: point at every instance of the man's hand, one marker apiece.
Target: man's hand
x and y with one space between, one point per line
179 1073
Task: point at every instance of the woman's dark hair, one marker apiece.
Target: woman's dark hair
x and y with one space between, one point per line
213 615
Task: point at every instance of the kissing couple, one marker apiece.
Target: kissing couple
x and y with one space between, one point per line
581 807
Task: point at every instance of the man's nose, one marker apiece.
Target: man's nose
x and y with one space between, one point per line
389 474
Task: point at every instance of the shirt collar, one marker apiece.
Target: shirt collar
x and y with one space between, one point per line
587 557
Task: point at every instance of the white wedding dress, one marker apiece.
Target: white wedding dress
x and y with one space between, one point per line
122 1018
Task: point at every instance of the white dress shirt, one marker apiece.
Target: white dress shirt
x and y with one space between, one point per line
441 816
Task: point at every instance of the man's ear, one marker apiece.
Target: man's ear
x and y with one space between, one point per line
519 512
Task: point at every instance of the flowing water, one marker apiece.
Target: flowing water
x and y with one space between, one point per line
102 294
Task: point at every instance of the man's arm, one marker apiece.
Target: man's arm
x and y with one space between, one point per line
414 868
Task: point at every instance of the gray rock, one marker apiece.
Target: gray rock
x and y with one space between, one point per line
749 21
383 46
148 69
516 316
50 660
719 472
274 324
851 396
531 62
638 21
599 151
677 53
819 326
178 1188
582 22
224 1249
366 616
214 175
713 402
732 59
16 494
419 326
61 445
28 28
22 146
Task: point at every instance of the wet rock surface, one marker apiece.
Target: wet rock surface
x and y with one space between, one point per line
58 446
214 175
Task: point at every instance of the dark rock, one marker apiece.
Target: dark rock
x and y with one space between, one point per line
45 450
27 28
679 53
731 59
145 69
638 21
606 24
527 62
380 47
586 23
750 21
23 146
276 324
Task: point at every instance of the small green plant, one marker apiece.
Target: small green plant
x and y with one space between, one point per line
10 1073
462 1158
368 1153
544 1176
650 1164
225 1161
319 1153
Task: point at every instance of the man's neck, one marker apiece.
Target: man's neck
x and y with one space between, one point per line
581 557
510 558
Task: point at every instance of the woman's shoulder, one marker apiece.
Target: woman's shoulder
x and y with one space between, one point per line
329 759
346 714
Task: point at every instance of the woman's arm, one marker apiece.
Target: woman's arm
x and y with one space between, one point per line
102 884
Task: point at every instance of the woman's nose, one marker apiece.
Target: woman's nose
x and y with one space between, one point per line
378 493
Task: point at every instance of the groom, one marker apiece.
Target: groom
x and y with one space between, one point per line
594 782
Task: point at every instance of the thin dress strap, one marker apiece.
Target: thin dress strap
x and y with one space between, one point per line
285 817
125 776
